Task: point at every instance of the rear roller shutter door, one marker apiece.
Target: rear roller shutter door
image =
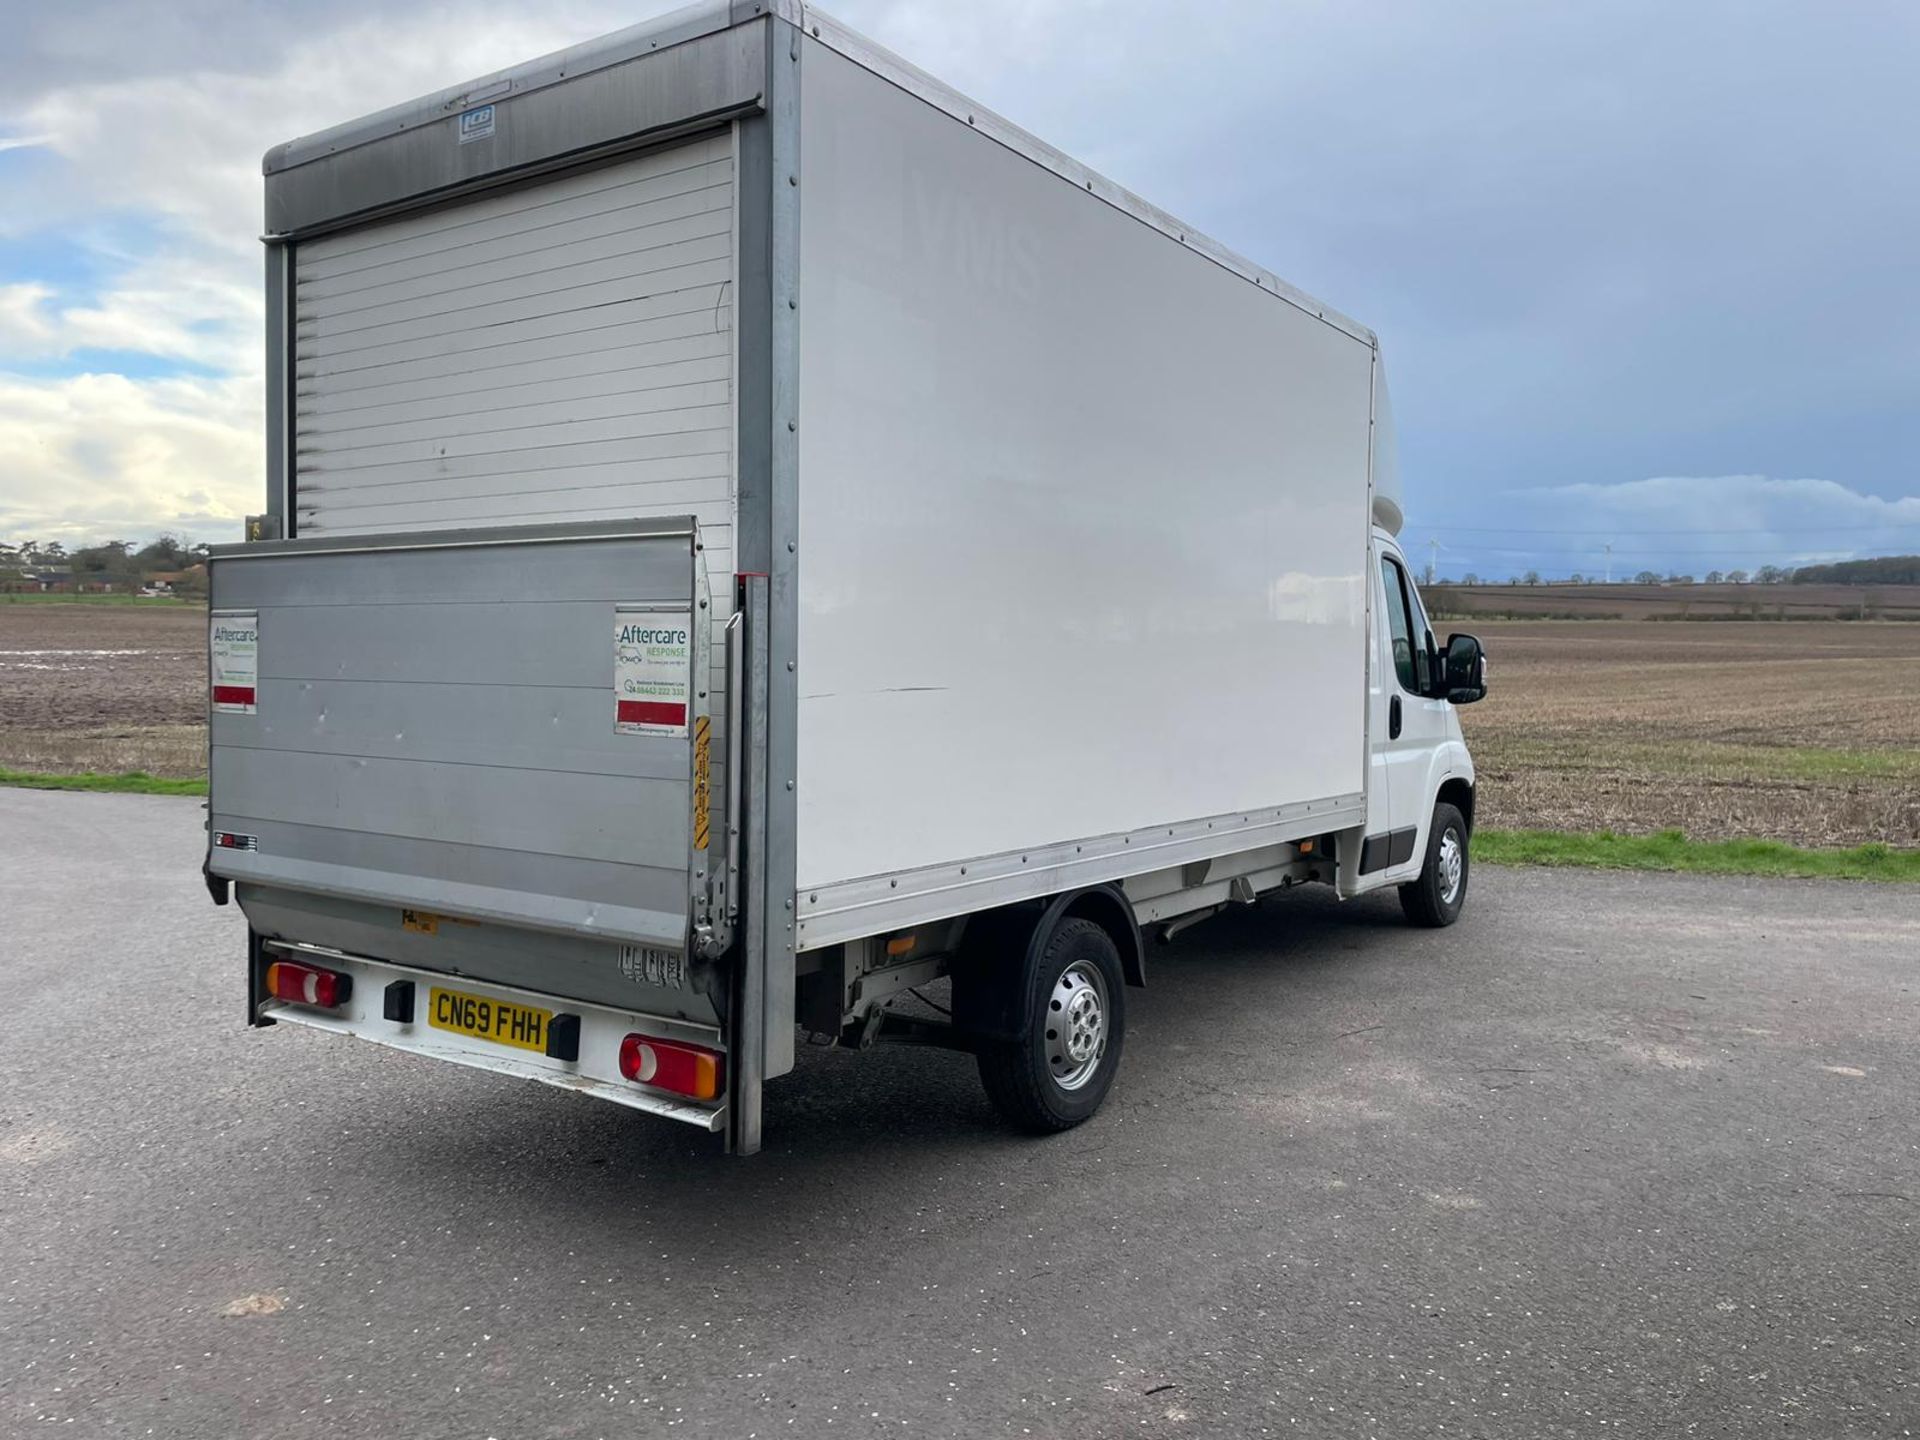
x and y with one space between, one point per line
561 351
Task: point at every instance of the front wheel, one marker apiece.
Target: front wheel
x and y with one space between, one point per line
1059 1071
1438 895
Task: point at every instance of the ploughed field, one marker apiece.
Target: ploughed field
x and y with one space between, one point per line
1676 602
1806 732
107 687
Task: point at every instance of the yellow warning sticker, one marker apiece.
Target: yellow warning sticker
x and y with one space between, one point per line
702 781
421 922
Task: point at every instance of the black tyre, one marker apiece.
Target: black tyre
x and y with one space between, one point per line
1058 1073
1440 893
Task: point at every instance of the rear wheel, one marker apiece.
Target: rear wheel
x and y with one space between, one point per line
1059 1071
1437 897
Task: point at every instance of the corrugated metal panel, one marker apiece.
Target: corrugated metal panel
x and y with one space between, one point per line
436 729
556 352
562 351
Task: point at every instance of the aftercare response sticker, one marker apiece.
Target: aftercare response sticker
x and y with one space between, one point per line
235 646
652 670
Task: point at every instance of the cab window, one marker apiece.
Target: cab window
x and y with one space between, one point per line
1409 655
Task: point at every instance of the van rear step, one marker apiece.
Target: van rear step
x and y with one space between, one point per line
612 1054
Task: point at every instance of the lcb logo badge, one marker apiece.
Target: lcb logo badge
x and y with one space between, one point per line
476 124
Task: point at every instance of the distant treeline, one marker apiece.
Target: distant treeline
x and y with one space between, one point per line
1886 570
167 562
1880 570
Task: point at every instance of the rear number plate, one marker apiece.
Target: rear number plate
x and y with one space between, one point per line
501 1021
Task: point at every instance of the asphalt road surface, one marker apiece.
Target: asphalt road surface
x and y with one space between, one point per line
1617 1155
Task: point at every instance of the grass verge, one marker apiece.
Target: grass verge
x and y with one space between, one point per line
1605 850
1687 759
1672 850
132 782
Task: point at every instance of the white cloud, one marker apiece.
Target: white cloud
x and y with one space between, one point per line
171 307
1785 512
95 456
25 327
177 308
187 146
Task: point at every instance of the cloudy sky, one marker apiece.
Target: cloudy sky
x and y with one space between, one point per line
1644 273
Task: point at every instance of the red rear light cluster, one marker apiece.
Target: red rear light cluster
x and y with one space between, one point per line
690 1070
308 984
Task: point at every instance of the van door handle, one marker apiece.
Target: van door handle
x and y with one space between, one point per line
1393 718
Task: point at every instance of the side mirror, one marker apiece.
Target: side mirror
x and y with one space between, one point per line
1464 667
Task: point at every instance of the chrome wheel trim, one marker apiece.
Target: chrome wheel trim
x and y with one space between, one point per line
1453 866
1075 1033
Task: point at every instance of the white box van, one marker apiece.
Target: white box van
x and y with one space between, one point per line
749 533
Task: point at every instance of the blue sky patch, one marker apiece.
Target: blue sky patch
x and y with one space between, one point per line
132 364
79 261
